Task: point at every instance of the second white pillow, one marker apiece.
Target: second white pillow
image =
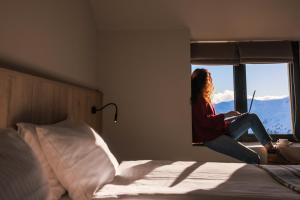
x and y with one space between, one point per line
79 157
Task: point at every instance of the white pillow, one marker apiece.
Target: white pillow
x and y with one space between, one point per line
29 134
79 157
20 172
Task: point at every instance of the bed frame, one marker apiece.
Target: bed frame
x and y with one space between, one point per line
28 98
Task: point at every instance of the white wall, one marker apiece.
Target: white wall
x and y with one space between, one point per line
147 73
54 38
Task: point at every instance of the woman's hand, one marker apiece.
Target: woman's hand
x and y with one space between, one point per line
232 114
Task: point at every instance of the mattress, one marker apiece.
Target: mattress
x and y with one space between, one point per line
163 180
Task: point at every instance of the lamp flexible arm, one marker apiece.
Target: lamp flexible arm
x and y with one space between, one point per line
94 110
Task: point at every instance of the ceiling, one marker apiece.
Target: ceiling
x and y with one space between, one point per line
205 19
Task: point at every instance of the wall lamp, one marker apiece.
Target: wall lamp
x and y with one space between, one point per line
94 110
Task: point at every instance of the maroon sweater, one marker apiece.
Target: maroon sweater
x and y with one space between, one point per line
206 124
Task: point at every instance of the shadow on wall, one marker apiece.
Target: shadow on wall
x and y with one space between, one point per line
32 70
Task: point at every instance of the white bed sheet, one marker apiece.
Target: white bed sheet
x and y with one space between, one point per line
163 180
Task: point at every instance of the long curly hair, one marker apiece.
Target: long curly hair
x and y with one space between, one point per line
202 85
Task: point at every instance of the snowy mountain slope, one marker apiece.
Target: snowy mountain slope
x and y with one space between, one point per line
275 114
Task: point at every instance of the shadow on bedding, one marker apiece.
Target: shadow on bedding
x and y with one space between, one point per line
250 182
205 181
137 172
185 173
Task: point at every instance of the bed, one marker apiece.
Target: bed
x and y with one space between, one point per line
38 100
161 180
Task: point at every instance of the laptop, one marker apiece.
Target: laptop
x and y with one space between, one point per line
242 114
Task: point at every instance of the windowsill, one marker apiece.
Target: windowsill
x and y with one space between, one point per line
291 151
254 144
258 145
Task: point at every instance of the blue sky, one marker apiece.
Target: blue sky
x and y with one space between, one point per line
269 80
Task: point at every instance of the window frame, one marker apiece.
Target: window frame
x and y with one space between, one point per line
240 103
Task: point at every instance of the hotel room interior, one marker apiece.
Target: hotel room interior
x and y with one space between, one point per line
95 97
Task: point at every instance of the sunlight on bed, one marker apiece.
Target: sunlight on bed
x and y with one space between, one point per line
167 177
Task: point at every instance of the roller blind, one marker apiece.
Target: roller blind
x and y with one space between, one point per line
265 52
214 53
241 52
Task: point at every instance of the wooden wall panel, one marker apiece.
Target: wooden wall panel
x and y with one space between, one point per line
27 98
5 84
20 104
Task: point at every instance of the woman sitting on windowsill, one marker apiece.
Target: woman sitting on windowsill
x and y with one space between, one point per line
220 134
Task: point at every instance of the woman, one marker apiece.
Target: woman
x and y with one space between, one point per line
220 134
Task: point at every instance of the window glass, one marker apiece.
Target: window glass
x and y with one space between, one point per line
272 101
222 76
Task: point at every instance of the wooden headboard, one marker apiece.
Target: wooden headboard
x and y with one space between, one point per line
28 98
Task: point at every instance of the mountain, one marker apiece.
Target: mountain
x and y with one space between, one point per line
275 114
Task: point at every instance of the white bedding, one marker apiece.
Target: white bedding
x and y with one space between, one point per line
142 180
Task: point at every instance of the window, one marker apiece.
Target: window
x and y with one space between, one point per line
223 86
277 99
234 86
272 100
